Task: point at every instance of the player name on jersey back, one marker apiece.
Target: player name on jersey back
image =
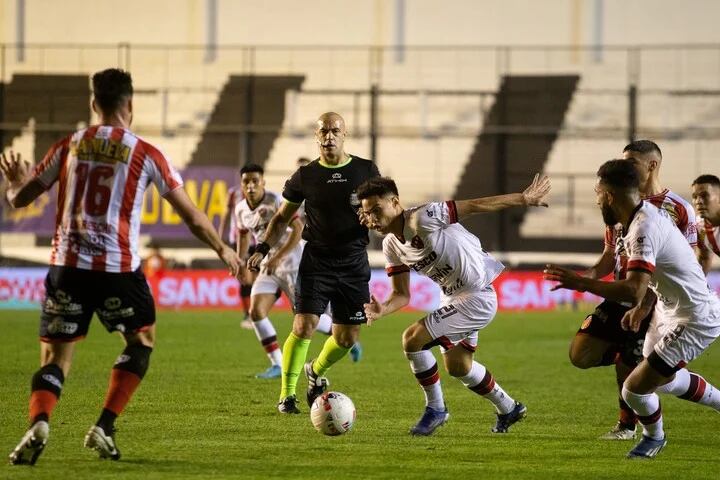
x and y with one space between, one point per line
102 174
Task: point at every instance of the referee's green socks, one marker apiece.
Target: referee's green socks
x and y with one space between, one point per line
330 354
293 359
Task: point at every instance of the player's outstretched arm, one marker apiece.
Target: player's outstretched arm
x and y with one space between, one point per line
532 196
604 265
631 290
242 246
293 239
399 298
275 230
201 227
22 189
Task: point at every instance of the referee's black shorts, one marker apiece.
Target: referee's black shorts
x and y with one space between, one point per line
342 281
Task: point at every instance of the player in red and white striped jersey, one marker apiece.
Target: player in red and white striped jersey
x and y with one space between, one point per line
102 173
601 341
706 198
687 319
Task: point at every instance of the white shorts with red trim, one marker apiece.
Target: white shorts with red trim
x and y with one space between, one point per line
460 316
679 339
284 280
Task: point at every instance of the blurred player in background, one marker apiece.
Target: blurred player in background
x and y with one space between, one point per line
706 198
227 223
102 172
429 240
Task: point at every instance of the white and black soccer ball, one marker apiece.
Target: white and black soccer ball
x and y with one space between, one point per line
332 413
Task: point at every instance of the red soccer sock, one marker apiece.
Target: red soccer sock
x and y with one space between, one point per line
122 386
42 403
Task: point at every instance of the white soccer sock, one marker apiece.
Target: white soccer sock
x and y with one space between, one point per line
677 386
648 411
425 368
325 324
482 382
265 332
691 386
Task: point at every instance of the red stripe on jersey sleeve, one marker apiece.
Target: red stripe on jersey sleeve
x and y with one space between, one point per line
163 166
452 211
59 212
396 270
60 149
641 265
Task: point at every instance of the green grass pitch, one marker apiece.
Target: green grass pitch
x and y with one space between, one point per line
201 414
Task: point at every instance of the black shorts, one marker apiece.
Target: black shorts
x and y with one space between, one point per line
123 303
341 281
604 323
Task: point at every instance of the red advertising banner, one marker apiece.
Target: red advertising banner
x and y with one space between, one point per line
215 289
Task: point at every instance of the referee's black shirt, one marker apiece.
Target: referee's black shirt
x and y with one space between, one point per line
332 227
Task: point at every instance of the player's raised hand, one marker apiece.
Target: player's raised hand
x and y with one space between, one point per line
13 167
231 259
566 278
373 310
537 190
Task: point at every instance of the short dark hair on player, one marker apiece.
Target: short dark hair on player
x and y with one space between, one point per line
707 178
110 88
620 174
377 186
643 146
252 168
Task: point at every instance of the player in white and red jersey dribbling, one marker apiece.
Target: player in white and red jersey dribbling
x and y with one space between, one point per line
706 198
687 318
102 172
429 240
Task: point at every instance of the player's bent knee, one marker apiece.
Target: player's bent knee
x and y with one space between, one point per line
257 314
411 341
134 359
457 369
581 360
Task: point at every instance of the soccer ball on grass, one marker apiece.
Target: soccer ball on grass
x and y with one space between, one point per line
332 413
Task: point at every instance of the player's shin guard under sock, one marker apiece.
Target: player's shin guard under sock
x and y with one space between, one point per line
265 332
425 368
648 411
331 354
46 387
125 376
324 325
481 381
293 359
691 386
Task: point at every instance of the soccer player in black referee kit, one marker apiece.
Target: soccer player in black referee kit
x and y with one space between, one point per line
334 266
